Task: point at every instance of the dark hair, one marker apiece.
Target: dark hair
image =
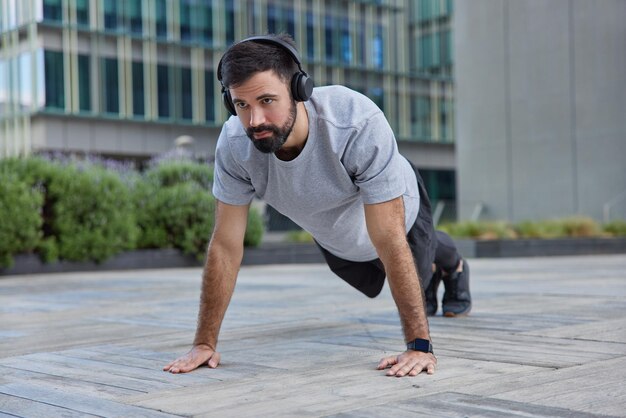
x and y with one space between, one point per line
244 59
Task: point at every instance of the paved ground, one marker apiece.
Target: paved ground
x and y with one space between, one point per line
547 338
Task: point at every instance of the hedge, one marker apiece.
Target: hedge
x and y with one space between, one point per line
569 227
20 217
91 210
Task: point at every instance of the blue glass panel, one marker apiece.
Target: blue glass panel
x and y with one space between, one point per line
54 79
163 99
52 10
185 20
161 19
110 86
209 96
329 29
82 12
134 16
310 35
84 83
110 14
185 78
138 89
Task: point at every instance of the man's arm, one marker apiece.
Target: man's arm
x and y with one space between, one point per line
386 227
218 282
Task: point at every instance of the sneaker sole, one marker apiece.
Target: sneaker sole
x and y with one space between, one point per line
454 315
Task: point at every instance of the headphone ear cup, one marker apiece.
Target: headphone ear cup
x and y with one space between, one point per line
228 102
301 87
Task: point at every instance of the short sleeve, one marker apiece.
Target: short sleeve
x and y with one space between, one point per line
373 160
231 183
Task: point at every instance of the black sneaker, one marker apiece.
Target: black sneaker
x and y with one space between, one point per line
457 300
431 293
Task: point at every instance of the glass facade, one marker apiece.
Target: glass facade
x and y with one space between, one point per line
149 60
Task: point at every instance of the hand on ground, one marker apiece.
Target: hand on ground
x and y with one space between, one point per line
196 357
409 363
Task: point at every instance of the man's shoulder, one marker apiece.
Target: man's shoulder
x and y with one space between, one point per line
342 105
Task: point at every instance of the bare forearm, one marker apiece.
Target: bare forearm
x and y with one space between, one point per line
406 290
218 283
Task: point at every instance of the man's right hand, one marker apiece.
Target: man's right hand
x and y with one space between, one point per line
196 357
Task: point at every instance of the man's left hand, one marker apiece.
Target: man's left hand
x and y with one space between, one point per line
409 363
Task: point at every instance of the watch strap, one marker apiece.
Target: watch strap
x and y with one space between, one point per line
419 344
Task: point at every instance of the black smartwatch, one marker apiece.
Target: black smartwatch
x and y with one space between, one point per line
420 344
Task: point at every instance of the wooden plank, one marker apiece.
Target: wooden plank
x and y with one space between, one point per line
455 404
598 387
68 400
12 406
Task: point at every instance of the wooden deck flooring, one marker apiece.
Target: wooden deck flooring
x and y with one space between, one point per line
546 338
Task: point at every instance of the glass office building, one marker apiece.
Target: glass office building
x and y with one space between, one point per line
125 78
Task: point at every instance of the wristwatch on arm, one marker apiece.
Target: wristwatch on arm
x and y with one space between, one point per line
420 344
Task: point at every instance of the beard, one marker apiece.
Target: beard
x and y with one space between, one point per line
279 134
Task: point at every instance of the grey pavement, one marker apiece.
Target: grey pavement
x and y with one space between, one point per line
546 338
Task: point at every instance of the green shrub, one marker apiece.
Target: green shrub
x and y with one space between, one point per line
87 211
175 208
254 229
479 230
20 216
179 216
540 229
575 226
615 228
580 226
92 213
171 173
299 237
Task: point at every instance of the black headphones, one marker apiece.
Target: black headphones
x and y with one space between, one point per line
301 83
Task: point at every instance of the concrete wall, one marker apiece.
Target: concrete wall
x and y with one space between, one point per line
123 138
540 105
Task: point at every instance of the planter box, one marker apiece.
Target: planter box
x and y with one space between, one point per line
289 253
541 247
283 253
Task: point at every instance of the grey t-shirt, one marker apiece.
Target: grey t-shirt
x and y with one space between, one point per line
350 158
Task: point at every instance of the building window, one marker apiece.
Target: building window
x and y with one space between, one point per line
446 48
82 12
209 105
138 89
377 94
205 21
110 14
272 18
447 120
329 34
84 83
185 20
4 87
25 81
110 85
133 16
377 47
163 83
52 10
54 78
185 79
426 45
161 19
281 19
422 108
346 42
230 22
310 35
